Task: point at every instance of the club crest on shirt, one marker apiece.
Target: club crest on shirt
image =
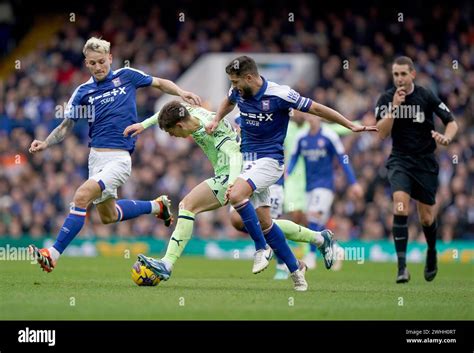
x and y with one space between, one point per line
321 143
266 105
116 82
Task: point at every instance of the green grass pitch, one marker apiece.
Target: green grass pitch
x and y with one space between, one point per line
201 289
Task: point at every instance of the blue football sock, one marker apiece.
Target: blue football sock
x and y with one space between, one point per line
252 225
317 228
279 261
72 225
276 239
128 209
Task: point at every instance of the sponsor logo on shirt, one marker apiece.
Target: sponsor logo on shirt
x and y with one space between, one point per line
107 97
260 117
314 155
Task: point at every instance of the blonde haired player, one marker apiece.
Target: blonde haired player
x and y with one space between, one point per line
108 101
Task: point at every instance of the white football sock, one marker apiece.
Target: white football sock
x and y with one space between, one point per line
168 265
54 253
318 239
155 207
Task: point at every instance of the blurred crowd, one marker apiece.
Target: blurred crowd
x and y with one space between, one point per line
355 50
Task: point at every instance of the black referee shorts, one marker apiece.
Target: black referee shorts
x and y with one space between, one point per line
416 175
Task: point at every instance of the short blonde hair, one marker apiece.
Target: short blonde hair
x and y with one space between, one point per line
97 45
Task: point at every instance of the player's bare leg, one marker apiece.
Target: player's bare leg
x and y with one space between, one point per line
401 201
427 214
110 211
107 211
298 217
200 199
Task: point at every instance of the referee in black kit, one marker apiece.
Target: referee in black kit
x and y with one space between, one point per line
406 113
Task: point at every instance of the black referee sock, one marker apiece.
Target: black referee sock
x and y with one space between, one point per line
400 236
430 235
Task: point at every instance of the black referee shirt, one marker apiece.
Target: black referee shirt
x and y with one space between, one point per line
411 131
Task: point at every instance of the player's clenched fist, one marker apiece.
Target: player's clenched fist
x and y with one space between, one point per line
211 127
399 96
37 146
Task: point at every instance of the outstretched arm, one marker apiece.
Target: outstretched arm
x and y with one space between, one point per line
332 115
170 87
56 136
138 128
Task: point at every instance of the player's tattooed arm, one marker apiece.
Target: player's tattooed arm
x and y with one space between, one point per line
56 136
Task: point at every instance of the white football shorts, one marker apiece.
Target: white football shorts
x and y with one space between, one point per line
261 174
276 199
319 205
111 170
